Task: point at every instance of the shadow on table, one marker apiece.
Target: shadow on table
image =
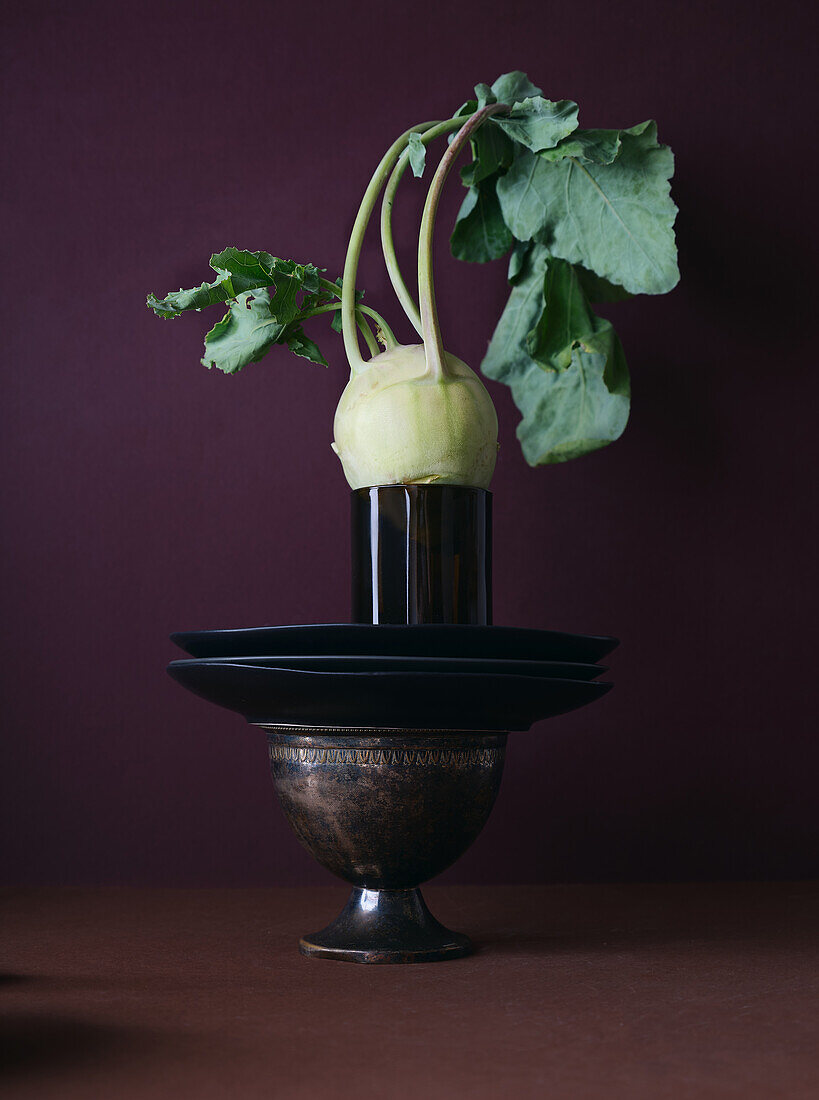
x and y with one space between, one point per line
32 1044
608 920
9 980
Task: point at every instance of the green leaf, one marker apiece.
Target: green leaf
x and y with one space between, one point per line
598 146
484 95
565 414
514 87
302 345
507 356
264 269
246 333
600 290
417 154
238 272
539 123
567 322
615 219
468 108
260 269
576 412
517 261
200 297
493 152
480 233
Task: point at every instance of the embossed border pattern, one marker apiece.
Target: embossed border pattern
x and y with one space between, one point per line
373 757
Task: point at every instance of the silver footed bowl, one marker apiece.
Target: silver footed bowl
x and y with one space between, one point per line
385 810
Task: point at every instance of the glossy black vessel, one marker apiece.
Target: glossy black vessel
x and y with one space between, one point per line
421 554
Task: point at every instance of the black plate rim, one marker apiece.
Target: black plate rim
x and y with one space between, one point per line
529 693
602 643
216 663
493 627
270 662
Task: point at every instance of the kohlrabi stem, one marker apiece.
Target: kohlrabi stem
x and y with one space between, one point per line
329 288
356 239
430 329
335 289
386 331
387 245
366 331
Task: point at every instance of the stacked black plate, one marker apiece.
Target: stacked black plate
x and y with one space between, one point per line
393 677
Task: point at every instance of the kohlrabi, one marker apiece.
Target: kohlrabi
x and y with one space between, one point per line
587 217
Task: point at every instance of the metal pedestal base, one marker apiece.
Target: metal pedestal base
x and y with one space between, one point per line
385 926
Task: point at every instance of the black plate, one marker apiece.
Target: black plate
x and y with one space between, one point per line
428 640
566 670
402 700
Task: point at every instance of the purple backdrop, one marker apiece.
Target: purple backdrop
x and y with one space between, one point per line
143 494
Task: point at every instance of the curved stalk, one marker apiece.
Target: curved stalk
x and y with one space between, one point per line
348 302
387 245
366 331
430 329
389 336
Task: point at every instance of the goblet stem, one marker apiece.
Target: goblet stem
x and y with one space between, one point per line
385 926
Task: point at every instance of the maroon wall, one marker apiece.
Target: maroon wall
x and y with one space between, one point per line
142 493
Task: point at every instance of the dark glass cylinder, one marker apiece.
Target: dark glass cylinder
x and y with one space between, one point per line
421 554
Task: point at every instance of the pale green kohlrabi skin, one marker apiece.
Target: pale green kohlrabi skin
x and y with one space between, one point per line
397 425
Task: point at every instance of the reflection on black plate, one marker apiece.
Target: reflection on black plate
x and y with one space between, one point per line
401 700
424 640
475 666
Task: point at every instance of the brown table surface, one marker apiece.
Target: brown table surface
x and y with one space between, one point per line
576 991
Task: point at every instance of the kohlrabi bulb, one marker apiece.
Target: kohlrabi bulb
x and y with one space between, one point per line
396 424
